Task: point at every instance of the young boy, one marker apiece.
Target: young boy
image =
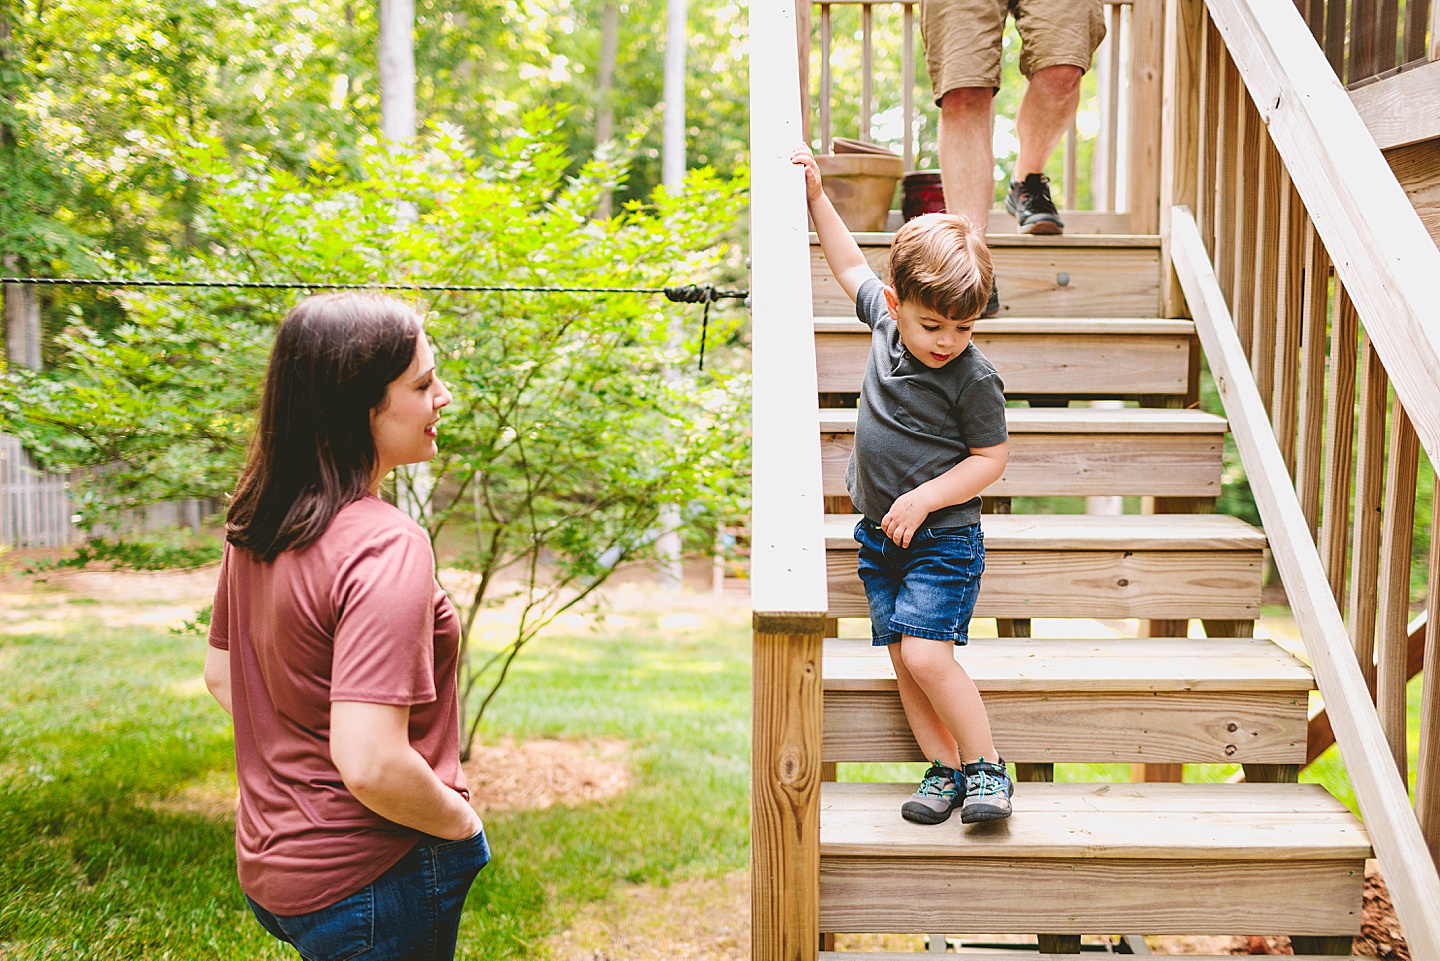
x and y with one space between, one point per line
929 437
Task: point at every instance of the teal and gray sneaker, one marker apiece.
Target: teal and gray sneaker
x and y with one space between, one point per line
934 799
987 792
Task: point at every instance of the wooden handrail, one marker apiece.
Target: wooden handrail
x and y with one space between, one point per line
1384 801
788 593
1382 253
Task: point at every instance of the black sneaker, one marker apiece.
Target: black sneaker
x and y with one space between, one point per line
987 792
1030 204
935 798
992 306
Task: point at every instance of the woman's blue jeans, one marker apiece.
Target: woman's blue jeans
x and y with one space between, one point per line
409 913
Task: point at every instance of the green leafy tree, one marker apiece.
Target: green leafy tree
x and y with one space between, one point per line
570 426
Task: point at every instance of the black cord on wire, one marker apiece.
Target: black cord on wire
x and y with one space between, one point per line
706 294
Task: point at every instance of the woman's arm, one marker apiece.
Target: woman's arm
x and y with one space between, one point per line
217 677
956 486
370 745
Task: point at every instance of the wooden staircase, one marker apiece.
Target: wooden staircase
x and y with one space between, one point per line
1258 207
1269 857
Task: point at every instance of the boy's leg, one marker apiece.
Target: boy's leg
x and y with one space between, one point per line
930 731
953 698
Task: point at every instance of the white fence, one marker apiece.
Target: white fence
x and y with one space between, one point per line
35 508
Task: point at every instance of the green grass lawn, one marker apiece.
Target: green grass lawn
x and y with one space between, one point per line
95 722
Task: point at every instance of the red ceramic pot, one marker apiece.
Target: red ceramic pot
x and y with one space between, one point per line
921 193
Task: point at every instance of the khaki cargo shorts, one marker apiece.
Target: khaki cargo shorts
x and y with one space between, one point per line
963 38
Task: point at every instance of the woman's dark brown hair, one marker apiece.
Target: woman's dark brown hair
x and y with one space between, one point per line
313 452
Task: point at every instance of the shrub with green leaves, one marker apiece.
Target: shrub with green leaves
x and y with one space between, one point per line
576 416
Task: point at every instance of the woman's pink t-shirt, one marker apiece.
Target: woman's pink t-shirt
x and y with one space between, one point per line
354 616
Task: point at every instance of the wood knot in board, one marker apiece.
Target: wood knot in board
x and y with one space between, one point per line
790 768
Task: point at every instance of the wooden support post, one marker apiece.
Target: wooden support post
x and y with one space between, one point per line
1049 943
1272 773
1157 773
1035 773
1059 943
1179 148
1147 54
1012 627
1219 628
785 794
1309 944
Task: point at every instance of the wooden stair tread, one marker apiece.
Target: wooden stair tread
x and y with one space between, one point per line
1086 532
1114 326
1088 664
1090 420
884 239
1198 822
971 954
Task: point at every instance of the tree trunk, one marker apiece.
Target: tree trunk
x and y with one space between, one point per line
397 125
397 69
605 85
673 162
21 306
673 174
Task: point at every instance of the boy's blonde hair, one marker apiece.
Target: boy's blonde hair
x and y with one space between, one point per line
940 261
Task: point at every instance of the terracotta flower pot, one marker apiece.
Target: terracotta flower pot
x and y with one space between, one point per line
861 187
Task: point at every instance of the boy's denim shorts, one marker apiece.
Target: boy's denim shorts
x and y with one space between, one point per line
410 911
925 590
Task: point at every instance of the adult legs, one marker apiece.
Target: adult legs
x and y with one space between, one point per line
1046 112
967 152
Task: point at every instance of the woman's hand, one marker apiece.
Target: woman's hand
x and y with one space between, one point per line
370 747
806 159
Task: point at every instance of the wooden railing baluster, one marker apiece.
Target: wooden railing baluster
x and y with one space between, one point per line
907 86
1289 318
1339 436
1112 111
1310 458
1227 129
1208 120
1335 37
1247 200
1427 766
1417 16
1369 497
1264 279
1395 542
827 130
867 69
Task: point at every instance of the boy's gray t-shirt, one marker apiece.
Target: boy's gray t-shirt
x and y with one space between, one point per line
917 422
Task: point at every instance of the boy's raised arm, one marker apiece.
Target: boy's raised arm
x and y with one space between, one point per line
846 261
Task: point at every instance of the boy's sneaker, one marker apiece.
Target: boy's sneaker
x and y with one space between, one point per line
1029 201
934 799
992 306
987 792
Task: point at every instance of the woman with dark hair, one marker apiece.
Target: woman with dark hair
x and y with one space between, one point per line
334 650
